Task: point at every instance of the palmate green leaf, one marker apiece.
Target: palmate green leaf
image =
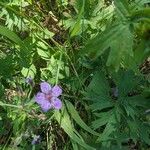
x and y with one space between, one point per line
98 92
118 37
97 46
77 118
121 49
65 122
19 123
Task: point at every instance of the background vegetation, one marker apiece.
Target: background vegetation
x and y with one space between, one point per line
98 52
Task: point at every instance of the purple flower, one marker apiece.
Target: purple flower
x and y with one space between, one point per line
36 140
48 97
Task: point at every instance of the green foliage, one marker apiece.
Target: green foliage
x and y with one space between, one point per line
74 114
97 51
118 37
65 123
118 109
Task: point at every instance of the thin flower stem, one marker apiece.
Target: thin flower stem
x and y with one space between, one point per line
57 75
10 105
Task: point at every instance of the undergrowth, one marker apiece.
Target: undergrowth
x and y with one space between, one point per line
75 74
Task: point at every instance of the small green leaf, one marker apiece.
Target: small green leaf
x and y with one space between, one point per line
44 54
29 72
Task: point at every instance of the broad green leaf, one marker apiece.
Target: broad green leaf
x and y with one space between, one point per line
65 122
77 118
11 35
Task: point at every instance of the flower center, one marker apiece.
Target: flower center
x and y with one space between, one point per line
48 97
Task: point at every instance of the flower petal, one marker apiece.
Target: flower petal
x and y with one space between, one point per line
56 103
45 87
46 106
56 91
40 98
